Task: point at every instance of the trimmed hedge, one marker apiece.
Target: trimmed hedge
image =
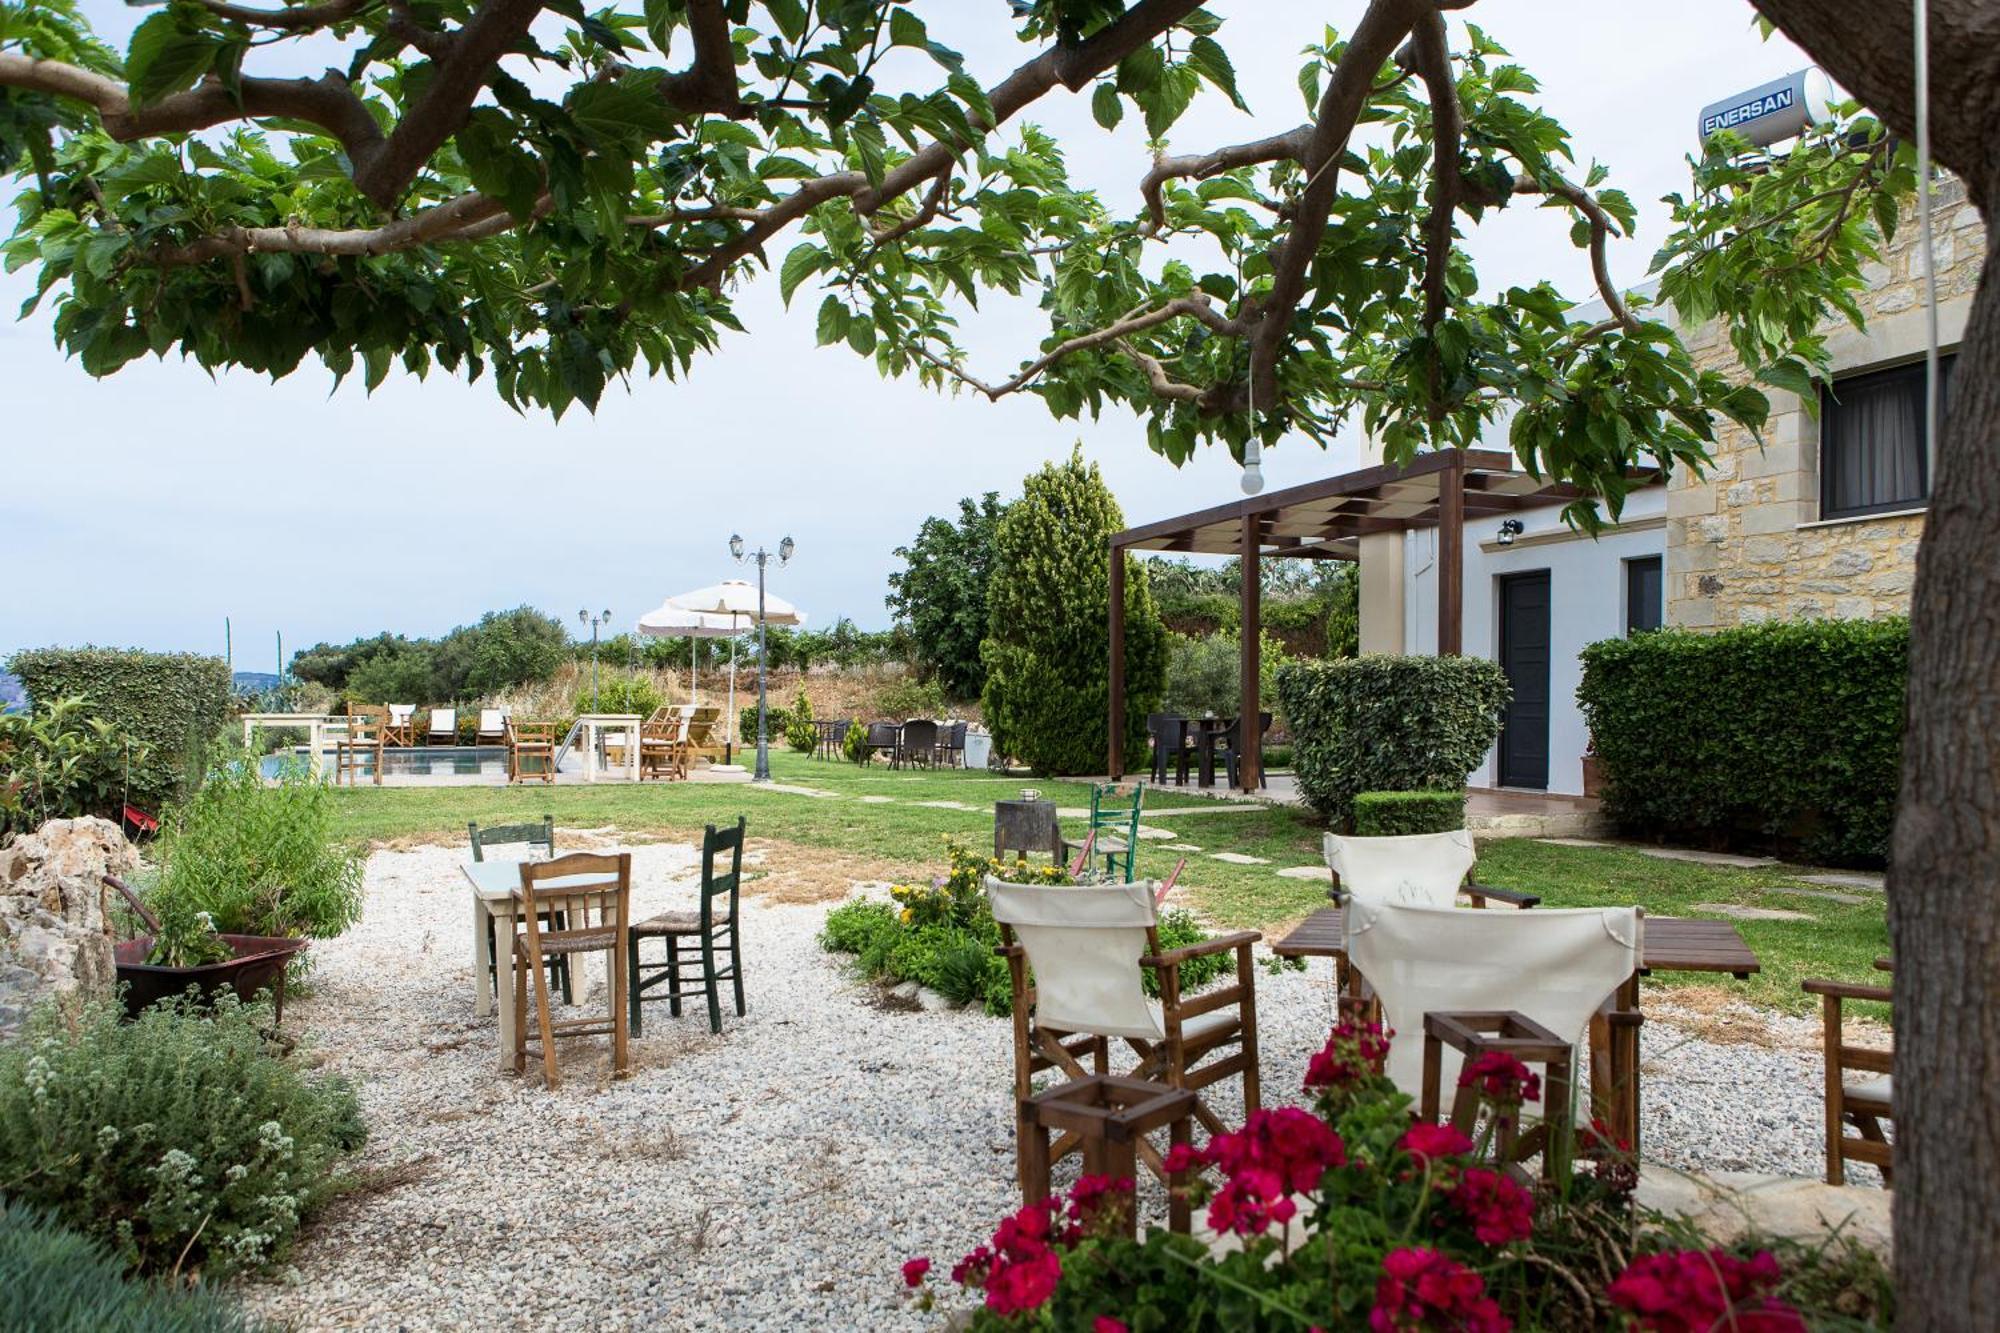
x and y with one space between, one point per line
1388 723
1786 736
176 703
1388 814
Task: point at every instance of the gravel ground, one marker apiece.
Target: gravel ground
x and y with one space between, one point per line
779 1172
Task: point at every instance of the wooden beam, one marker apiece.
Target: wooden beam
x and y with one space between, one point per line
1451 560
1115 752
1249 736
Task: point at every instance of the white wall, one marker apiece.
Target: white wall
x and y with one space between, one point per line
1586 595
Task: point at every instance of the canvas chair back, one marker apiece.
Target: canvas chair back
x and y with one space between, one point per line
1554 965
400 714
1084 945
492 721
444 722
1412 868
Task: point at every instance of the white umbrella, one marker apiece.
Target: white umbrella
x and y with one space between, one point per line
668 621
735 599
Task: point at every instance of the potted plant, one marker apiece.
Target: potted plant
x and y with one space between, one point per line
184 949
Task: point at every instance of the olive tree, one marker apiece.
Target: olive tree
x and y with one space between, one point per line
552 197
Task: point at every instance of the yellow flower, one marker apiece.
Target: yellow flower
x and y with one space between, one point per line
908 916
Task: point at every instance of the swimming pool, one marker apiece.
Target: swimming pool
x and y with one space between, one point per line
414 762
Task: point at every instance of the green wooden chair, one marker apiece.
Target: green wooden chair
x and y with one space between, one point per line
713 925
1116 826
542 835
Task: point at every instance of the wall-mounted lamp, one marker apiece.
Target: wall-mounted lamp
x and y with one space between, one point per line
1510 528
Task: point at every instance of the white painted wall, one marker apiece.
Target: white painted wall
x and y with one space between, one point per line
1586 595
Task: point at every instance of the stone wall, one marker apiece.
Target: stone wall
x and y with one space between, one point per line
1745 542
54 939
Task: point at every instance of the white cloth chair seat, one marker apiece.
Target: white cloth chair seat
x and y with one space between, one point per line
1424 868
1876 1088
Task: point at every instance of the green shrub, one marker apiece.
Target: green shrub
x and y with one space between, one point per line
58 1281
1047 673
1277 757
940 594
174 704
402 673
852 927
800 733
746 721
1787 735
906 699
856 744
1384 723
261 860
618 692
1389 814
1205 674
59 762
182 1139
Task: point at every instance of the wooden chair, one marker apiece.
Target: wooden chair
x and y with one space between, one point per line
1086 947
1116 826
1863 1104
534 947
917 744
401 727
700 738
542 835
531 751
662 750
362 738
492 727
442 728
713 924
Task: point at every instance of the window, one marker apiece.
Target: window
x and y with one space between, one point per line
1643 587
1871 455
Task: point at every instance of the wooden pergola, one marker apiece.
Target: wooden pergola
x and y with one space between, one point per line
1323 520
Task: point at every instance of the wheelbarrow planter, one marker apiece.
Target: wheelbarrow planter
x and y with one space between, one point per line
256 963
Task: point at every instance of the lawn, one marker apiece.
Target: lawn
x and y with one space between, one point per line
881 813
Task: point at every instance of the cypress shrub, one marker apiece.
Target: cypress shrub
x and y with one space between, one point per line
1048 679
1388 814
1783 735
1383 723
175 703
58 1281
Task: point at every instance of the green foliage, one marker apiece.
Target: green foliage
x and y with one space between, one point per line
800 733
746 721
1205 674
187 936
173 705
618 692
1386 723
1388 814
940 593
1048 674
505 648
59 1281
57 762
1787 735
404 673
906 699
1312 607
260 860
843 645
855 747
182 1139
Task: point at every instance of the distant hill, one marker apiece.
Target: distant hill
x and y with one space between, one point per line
13 694
255 682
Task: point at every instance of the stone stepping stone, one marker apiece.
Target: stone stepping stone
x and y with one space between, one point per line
947 805
1147 833
1848 879
1239 859
1576 842
1742 913
1180 847
878 800
1304 872
1830 895
790 790
1707 858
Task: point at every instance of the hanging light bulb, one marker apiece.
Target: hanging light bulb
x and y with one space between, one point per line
1253 466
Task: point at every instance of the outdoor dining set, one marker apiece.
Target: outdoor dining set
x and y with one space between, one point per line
537 917
918 742
1206 743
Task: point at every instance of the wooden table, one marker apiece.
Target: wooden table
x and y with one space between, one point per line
496 887
1672 944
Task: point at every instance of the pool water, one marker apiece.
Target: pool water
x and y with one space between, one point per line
421 762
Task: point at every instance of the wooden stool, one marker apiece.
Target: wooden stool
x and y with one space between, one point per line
1112 1116
1475 1034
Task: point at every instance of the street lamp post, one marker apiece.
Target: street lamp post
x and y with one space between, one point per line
585 618
762 558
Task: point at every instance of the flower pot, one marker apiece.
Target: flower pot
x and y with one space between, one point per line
259 964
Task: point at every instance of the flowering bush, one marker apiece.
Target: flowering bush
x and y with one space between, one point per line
1361 1217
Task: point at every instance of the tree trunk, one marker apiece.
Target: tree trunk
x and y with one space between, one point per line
1944 877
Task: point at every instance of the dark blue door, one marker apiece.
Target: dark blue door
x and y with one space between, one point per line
1524 656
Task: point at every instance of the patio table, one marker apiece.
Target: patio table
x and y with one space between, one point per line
496 887
1207 731
1672 944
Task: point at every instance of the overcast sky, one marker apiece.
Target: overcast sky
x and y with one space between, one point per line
143 509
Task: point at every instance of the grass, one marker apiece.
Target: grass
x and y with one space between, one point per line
1840 940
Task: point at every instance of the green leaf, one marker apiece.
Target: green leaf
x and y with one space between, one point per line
1790 375
833 321
906 29
800 264
163 58
1106 106
1208 58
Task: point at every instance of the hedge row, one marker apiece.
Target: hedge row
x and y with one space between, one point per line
1388 723
1783 736
1389 814
176 703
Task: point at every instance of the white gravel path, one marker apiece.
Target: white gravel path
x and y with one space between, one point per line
778 1174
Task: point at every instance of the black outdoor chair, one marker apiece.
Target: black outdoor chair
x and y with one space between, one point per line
711 927
542 835
836 745
1170 745
920 743
951 745
1232 742
885 737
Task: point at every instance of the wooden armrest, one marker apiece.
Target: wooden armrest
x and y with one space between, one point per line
1241 939
1885 965
1844 990
1480 892
1007 951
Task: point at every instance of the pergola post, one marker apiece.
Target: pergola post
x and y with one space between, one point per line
1451 555
1249 728
1115 751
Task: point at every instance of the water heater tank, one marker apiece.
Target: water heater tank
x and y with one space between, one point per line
1772 112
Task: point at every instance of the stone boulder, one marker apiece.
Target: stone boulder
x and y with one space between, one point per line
54 939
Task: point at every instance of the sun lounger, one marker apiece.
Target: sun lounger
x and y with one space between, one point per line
492 726
443 727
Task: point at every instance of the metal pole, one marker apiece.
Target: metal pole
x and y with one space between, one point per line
595 707
763 773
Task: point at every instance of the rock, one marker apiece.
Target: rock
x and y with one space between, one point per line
906 991
1707 858
1743 913
54 939
1304 872
1180 847
1849 879
1239 859
1826 895
932 1001
1726 1204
